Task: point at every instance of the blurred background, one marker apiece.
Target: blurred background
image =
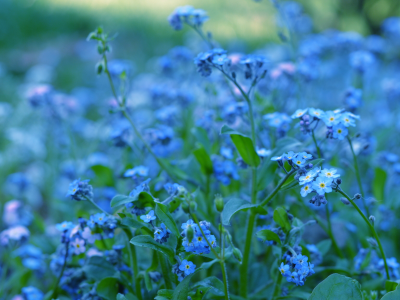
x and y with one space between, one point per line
56 29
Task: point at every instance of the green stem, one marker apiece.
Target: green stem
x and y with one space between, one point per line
277 288
165 271
316 145
98 207
371 227
276 190
54 293
330 232
246 255
356 168
324 228
134 265
225 279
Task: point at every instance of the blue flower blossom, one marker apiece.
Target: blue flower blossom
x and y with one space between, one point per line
187 267
340 131
149 217
322 185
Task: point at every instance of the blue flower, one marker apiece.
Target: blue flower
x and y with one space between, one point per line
100 218
65 226
308 177
262 152
139 170
220 60
300 261
277 158
188 223
292 277
316 113
362 60
331 118
340 131
284 269
329 173
290 155
80 190
305 190
149 217
299 161
187 267
322 185
305 155
32 293
347 120
226 152
299 113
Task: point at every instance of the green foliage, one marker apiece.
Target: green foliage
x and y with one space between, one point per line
233 206
337 287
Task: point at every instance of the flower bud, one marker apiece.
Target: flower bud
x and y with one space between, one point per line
372 219
357 196
99 67
338 181
345 201
238 255
193 206
219 203
233 75
185 207
189 233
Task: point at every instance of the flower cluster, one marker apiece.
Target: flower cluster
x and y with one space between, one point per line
161 234
183 269
189 15
295 160
197 244
80 190
337 121
320 182
297 269
213 58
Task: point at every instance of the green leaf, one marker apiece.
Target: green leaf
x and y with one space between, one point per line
121 297
378 185
391 285
97 268
142 199
233 206
182 290
395 295
268 235
324 246
207 265
104 176
246 149
165 217
149 242
201 136
147 281
108 288
282 219
244 145
204 160
337 287
227 130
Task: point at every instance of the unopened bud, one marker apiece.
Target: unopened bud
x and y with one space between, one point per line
372 219
99 67
219 203
193 206
238 254
233 75
185 207
357 196
345 201
339 181
189 233
290 216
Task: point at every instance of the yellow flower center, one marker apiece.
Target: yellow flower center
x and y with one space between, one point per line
322 185
187 267
328 174
331 119
199 238
306 188
299 162
339 131
74 190
77 246
282 271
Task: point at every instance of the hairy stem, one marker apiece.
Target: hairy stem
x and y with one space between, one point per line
133 264
276 190
371 227
165 271
357 170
